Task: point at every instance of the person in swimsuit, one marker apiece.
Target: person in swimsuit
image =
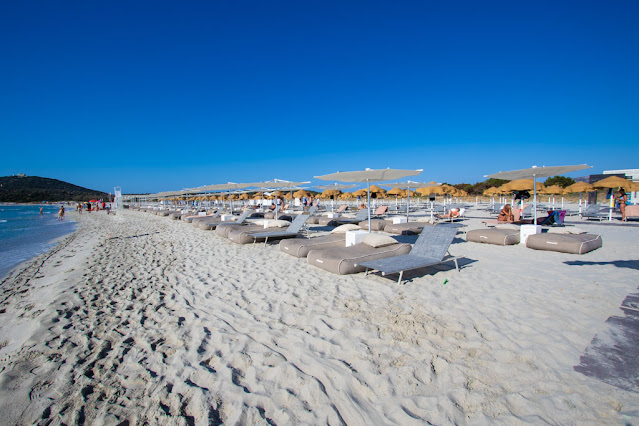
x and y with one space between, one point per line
622 199
506 214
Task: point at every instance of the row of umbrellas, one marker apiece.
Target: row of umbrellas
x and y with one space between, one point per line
383 175
578 187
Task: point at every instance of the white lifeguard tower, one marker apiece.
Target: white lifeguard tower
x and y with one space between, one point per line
117 198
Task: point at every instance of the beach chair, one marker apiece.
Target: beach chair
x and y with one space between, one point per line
594 211
431 248
211 225
291 232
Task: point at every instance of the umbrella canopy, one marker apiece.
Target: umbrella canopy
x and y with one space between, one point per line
491 191
553 189
430 190
537 172
614 182
578 187
346 195
396 191
521 185
244 196
368 176
360 193
300 193
331 193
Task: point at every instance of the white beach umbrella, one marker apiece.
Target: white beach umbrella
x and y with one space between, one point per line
368 176
537 172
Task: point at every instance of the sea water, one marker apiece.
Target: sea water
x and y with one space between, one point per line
25 234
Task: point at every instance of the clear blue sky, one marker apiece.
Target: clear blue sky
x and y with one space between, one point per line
163 95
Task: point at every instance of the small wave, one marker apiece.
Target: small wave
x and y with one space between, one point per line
3 221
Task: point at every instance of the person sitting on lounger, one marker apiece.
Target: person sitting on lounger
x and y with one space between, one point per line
506 214
451 214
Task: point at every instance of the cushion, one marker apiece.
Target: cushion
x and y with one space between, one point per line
565 243
278 223
567 230
378 240
502 237
343 228
258 222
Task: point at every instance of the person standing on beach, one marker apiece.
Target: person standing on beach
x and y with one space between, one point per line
61 213
622 199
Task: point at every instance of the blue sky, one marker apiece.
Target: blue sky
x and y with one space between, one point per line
163 95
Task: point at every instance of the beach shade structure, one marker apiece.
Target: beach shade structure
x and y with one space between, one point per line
430 190
300 193
346 195
368 176
537 172
614 182
406 187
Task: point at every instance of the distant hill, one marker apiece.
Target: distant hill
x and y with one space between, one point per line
29 189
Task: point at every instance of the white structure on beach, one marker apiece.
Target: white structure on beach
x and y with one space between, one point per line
633 174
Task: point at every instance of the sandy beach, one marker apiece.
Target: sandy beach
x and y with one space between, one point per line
139 318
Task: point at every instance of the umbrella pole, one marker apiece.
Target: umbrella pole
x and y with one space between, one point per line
368 185
535 199
407 203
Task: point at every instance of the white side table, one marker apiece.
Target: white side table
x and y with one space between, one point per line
527 230
355 237
401 219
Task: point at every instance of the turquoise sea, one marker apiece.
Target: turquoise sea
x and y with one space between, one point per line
25 234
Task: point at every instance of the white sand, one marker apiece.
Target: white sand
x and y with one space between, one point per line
137 317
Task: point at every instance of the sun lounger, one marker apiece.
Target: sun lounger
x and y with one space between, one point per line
564 243
345 260
498 236
376 224
594 211
197 218
299 247
431 248
407 228
290 232
212 224
224 230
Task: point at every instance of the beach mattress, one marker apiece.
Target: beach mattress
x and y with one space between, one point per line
564 243
223 229
345 260
313 220
299 247
376 224
408 228
500 237
242 235
175 216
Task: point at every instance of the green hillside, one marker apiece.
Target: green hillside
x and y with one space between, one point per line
30 189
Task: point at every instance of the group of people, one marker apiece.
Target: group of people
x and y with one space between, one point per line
506 213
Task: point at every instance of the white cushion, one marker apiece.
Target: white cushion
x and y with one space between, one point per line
378 240
278 223
259 222
343 228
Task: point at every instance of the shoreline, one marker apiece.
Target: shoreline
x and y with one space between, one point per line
137 317
49 244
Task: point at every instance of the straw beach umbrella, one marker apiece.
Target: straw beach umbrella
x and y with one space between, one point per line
537 172
368 176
